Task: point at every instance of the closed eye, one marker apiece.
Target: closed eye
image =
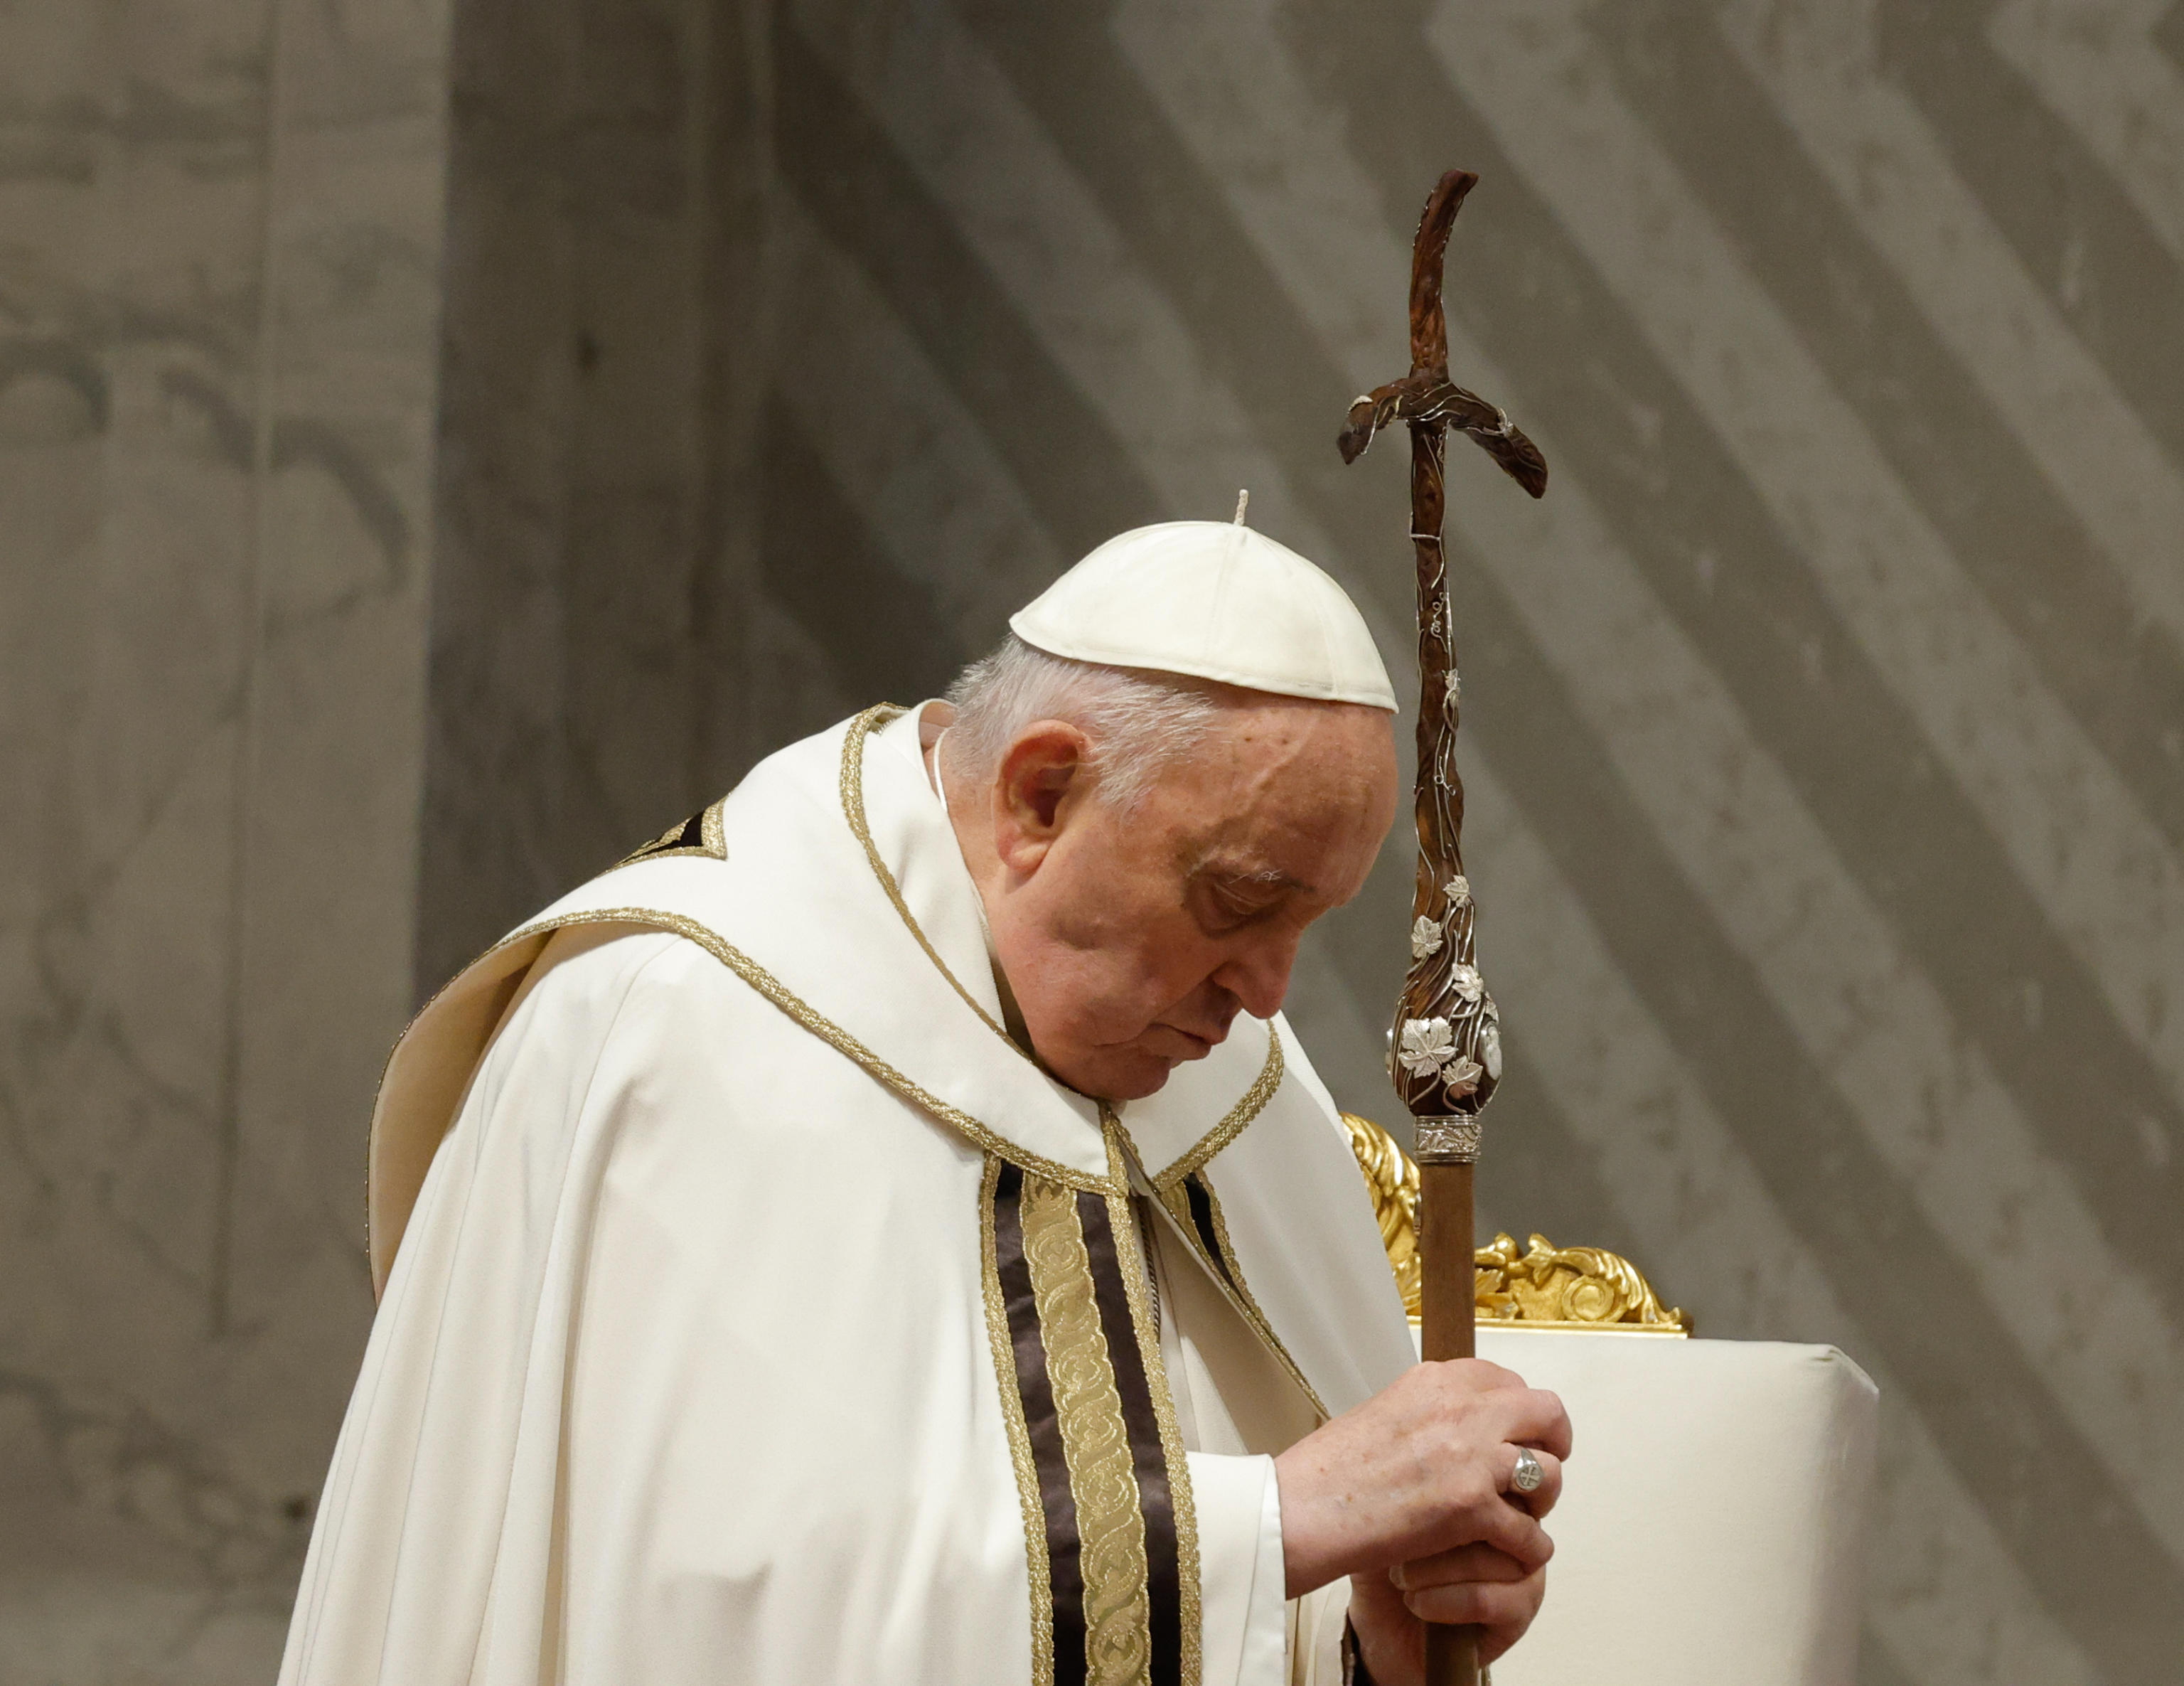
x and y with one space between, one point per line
1241 907
1238 898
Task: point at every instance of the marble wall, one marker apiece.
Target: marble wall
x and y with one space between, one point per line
595 504
219 245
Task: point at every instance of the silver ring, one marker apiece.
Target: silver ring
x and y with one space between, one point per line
1528 1474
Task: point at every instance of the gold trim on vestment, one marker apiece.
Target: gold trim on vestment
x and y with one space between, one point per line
1096 1441
853 810
712 835
828 1032
998 1336
1232 1125
1137 1277
1230 1281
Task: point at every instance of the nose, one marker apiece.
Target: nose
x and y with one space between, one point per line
1258 974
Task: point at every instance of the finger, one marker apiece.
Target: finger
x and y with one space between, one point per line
1506 1607
1542 1499
1478 1375
1516 1532
1464 1563
1496 1637
1532 1417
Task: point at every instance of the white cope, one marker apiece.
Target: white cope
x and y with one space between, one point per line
699 1359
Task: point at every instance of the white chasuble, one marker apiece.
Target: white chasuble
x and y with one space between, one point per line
755 1310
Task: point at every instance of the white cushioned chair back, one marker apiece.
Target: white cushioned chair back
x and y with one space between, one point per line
1710 1529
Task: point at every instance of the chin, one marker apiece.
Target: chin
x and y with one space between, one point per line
1119 1075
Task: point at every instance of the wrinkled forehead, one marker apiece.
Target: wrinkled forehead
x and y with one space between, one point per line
1292 748
1279 788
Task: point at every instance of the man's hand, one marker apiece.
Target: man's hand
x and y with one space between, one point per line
1409 1494
1473 1585
1421 1468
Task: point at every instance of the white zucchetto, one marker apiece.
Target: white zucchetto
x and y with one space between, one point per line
1213 600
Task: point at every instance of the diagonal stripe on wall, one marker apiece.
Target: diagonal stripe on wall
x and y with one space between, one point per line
2070 222
2072 829
1982 487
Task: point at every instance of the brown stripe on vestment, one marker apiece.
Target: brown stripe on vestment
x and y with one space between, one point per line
1043 1424
1198 1207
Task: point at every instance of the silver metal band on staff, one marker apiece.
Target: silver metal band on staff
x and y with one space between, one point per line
1448 1141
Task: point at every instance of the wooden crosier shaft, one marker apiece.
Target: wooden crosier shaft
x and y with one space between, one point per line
1451 1655
1445 1249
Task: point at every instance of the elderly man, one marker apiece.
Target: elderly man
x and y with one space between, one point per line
885 1231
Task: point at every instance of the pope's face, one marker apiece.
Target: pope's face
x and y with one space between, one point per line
1132 940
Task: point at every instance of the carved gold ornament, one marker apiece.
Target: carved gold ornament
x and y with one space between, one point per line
1392 1176
1545 1287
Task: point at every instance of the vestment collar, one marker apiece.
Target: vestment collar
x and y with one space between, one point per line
890 805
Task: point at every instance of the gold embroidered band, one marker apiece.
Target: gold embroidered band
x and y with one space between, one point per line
1112 1542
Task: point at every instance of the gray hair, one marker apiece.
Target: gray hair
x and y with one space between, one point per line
1138 723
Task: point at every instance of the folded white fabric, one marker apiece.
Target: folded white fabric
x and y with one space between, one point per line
1710 1531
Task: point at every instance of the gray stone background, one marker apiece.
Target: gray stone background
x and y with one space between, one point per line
440 448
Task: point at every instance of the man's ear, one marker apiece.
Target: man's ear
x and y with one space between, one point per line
1041 777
